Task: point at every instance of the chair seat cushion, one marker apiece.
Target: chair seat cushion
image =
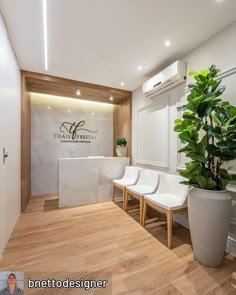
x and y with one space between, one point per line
141 189
167 201
124 182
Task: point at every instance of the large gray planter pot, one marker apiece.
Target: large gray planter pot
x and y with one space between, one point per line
209 220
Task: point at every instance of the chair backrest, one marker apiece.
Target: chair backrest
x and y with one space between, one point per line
132 172
149 178
171 184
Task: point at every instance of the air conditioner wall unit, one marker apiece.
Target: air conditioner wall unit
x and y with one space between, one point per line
170 77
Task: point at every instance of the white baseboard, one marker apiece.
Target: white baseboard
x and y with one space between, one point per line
231 244
182 219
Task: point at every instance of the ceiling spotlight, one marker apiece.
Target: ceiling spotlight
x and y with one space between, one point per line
140 68
69 111
78 92
219 1
167 43
49 108
122 84
111 97
92 114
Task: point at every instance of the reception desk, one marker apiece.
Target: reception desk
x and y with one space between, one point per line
88 180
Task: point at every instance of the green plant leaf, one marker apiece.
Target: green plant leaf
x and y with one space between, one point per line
213 150
193 73
191 117
185 136
203 108
223 173
223 183
179 128
201 181
190 106
232 110
215 119
211 184
191 85
196 157
185 149
214 131
202 145
205 72
178 121
228 155
226 145
121 141
219 91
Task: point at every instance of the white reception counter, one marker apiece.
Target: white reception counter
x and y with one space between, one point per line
88 180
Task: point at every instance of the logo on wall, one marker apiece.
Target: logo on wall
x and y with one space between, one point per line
74 132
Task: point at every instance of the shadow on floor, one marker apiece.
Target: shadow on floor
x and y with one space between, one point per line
50 205
156 224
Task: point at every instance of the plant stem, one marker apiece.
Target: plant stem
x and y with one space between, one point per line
217 174
207 136
212 157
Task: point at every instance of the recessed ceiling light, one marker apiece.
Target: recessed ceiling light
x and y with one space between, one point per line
45 34
140 68
219 1
78 92
167 43
122 84
49 108
92 114
111 97
69 111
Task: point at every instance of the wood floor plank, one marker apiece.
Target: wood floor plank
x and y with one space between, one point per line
104 239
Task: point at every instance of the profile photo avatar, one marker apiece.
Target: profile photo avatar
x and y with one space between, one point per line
11 286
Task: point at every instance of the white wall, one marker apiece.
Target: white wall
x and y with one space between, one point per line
10 109
219 50
50 140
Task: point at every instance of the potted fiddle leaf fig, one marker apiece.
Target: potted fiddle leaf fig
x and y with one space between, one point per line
121 148
208 131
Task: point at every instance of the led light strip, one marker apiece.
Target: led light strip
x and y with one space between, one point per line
45 34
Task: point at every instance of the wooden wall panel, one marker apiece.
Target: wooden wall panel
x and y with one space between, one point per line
25 144
122 123
40 83
46 84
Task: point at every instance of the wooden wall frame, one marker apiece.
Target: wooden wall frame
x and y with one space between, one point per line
46 84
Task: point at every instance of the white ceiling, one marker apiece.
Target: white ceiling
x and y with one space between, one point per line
104 41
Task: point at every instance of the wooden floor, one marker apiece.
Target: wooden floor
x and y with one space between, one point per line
108 242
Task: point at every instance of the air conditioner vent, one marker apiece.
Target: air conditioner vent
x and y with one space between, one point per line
172 76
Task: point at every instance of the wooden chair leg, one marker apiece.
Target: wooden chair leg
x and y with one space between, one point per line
169 228
141 209
123 196
113 193
144 212
126 200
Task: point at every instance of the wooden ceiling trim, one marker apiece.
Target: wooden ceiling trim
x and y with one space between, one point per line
51 85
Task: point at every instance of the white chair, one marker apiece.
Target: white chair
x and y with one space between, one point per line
130 178
170 198
147 184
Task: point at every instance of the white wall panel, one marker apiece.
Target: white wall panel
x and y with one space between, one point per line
153 125
10 109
